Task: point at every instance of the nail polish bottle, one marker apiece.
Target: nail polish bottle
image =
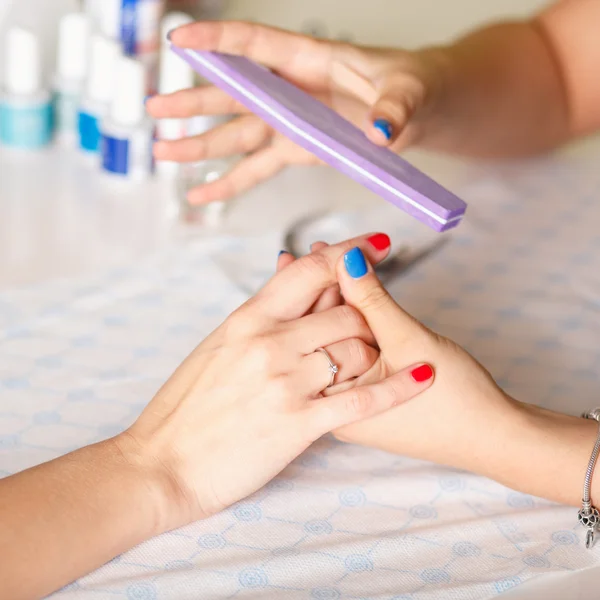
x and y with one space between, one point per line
140 27
175 75
135 24
108 17
140 35
99 90
26 108
70 74
127 132
93 10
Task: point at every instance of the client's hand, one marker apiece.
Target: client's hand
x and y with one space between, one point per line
446 422
248 400
452 421
443 423
465 420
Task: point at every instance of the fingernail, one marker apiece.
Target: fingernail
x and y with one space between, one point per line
380 241
422 373
282 252
169 34
355 263
385 127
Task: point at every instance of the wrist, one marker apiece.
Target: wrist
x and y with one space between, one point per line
546 454
155 482
438 68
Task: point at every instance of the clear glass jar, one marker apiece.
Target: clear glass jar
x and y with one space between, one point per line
192 175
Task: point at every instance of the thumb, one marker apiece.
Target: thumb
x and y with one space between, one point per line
398 97
361 288
392 102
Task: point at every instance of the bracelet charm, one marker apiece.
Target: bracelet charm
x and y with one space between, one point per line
588 514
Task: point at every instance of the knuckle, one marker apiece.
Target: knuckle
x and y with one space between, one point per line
393 394
375 298
359 402
239 325
281 390
314 46
251 133
443 342
246 141
345 246
359 354
314 264
264 352
237 37
350 318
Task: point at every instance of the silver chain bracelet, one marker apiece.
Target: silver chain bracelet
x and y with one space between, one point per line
588 515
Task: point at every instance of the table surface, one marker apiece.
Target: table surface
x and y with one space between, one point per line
73 241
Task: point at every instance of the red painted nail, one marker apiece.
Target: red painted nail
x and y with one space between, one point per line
380 241
422 373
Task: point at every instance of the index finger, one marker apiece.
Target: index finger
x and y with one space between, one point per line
291 54
291 292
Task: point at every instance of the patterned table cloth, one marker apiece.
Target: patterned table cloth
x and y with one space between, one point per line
518 284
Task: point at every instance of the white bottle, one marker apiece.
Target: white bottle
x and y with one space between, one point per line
140 29
4 10
94 10
99 91
136 25
126 144
175 75
25 106
70 74
108 17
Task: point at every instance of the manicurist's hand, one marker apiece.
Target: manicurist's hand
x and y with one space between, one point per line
506 89
387 93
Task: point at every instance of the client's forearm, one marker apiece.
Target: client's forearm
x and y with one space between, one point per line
546 455
526 448
68 516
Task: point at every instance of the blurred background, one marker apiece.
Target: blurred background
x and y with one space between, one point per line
402 22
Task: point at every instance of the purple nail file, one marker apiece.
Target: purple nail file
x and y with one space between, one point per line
326 134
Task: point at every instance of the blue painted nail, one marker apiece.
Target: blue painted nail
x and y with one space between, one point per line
282 252
355 263
169 34
385 127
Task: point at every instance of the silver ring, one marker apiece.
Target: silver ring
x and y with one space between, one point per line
333 368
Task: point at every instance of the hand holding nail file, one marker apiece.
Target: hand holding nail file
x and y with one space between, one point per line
320 130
